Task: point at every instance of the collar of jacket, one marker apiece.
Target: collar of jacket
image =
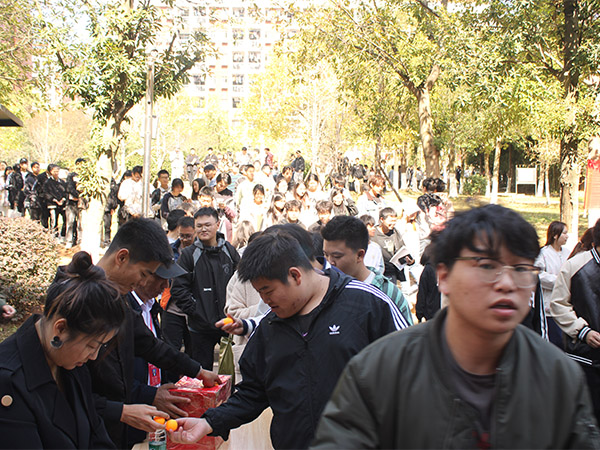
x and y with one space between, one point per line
505 365
337 281
595 255
35 367
220 242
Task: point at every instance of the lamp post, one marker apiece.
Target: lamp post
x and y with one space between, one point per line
148 131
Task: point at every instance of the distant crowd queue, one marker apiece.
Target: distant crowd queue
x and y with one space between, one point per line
321 288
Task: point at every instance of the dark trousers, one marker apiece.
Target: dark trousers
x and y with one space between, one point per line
592 375
175 332
203 347
555 334
107 221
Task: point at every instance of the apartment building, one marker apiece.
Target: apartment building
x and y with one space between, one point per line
244 33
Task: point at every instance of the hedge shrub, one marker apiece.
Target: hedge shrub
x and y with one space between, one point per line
28 262
475 185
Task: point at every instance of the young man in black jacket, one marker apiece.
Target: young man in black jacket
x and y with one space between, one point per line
209 263
318 321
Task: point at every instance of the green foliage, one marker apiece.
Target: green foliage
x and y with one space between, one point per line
19 44
108 74
91 183
474 185
28 262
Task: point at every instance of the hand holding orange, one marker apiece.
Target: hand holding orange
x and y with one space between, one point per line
171 425
227 320
159 419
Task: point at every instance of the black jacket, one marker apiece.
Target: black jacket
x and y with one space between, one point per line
201 293
40 415
54 190
585 297
295 374
113 371
396 394
429 299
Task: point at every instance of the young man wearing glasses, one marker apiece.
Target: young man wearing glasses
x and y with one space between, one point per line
210 263
472 377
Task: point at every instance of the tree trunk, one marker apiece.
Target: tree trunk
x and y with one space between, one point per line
539 191
430 153
547 183
496 174
486 169
509 178
569 176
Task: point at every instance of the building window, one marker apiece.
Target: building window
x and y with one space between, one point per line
235 102
238 80
254 35
199 80
199 11
238 57
239 12
254 57
238 35
201 102
185 12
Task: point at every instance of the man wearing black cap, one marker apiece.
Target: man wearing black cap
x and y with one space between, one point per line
148 377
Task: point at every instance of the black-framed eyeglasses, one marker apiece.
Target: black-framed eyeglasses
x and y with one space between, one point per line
490 270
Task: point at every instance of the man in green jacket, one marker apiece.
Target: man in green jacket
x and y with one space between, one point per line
345 242
472 377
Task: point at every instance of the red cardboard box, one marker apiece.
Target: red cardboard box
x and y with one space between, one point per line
201 400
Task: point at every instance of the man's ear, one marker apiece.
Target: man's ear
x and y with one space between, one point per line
443 272
360 255
296 275
122 257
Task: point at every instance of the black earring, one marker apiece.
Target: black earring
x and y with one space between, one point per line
56 342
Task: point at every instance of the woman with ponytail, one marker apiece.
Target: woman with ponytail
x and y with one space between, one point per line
45 389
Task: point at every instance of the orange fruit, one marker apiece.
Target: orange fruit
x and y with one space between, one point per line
227 320
159 419
171 425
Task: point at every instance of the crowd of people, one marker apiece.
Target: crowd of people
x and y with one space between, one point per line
44 196
323 283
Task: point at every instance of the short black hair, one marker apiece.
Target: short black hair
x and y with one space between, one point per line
209 167
208 191
258 188
387 212
293 204
271 256
349 229
137 169
492 226
303 237
177 182
367 219
145 240
324 206
207 211
224 177
162 172
79 160
186 222
173 218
